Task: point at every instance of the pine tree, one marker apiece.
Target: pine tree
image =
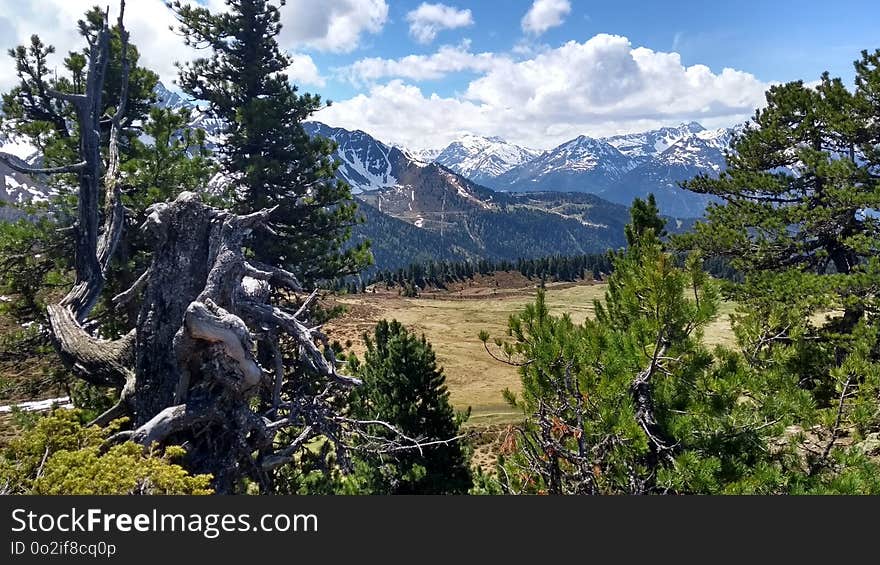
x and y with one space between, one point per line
267 156
633 402
58 454
645 214
799 183
404 387
798 220
37 253
174 160
169 365
50 124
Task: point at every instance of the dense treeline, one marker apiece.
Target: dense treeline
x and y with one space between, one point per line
396 243
438 274
529 227
523 232
555 268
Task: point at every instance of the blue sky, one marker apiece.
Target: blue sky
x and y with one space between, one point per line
776 40
537 72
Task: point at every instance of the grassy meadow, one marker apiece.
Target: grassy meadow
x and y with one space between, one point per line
451 321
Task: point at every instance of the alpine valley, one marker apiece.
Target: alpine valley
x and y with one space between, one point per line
484 197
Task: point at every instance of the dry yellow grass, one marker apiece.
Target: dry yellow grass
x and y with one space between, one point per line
718 331
452 325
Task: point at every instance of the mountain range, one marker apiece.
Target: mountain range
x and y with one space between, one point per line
483 159
364 162
406 199
17 188
617 168
484 197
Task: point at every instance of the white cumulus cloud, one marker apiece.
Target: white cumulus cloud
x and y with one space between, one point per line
401 113
331 25
545 14
55 22
448 59
304 71
429 19
602 86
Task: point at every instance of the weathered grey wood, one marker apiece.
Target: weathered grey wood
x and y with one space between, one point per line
182 232
208 322
10 161
188 372
100 362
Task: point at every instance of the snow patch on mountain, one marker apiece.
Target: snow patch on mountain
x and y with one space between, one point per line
170 100
423 155
583 164
703 151
21 192
585 154
482 158
649 144
19 148
19 189
365 163
456 182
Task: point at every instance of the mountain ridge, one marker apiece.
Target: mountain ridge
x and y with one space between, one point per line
483 159
618 168
416 209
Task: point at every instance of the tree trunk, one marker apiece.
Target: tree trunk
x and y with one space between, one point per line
187 373
179 272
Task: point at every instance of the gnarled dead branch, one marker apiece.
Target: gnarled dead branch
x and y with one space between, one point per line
189 372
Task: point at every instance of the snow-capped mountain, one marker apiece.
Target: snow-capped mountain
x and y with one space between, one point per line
704 150
15 187
169 99
456 217
700 153
649 144
583 164
427 188
482 159
424 155
19 148
18 189
623 167
397 183
618 168
198 119
365 162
